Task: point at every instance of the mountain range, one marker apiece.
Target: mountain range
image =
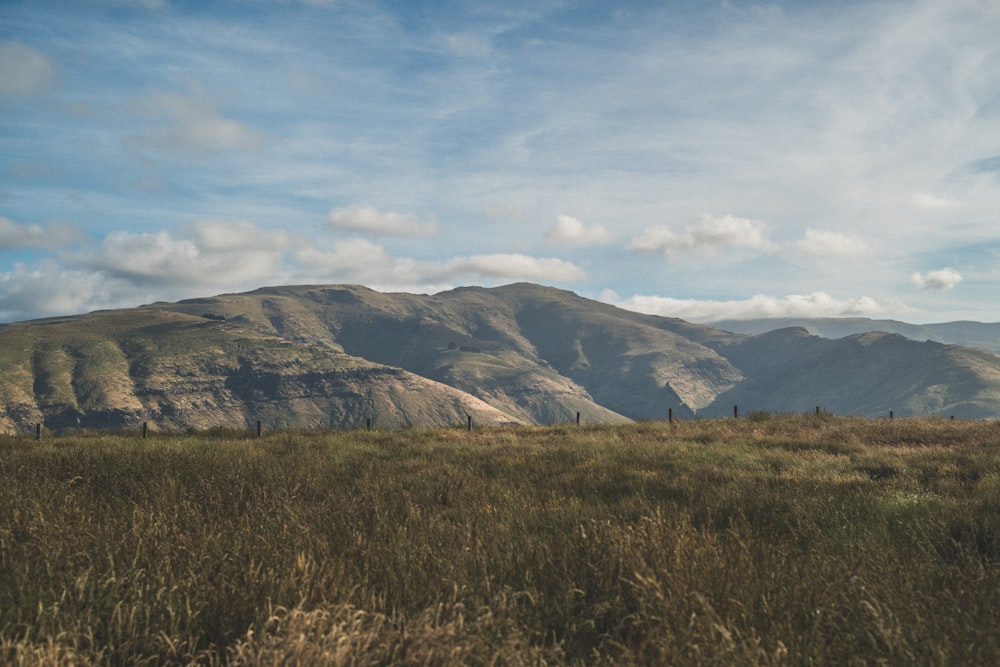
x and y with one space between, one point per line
968 334
338 356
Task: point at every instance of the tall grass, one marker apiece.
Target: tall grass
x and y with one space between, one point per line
785 540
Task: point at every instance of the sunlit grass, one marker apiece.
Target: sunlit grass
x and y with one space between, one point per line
773 540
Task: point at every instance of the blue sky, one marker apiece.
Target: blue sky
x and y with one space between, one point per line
702 160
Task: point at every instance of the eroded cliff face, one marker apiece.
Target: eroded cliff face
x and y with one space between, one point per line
173 371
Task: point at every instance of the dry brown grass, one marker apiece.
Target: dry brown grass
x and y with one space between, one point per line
780 540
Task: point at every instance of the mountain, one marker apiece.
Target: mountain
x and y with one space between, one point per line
869 374
337 355
982 335
537 353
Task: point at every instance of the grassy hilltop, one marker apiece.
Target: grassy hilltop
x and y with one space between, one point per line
770 541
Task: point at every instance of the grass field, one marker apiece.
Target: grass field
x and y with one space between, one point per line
771 540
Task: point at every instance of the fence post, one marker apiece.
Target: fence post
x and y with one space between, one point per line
38 431
577 418
890 415
145 430
470 421
259 428
368 424
670 415
736 412
817 411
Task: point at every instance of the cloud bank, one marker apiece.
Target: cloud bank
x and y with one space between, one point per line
362 261
815 304
213 256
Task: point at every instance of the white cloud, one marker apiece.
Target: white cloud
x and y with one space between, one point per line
942 279
14 236
370 220
24 71
353 261
816 304
512 267
213 256
706 235
191 124
51 289
208 255
571 230
239 235
129 268
822 243
361 261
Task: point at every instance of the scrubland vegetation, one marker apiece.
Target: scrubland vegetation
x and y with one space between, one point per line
772 540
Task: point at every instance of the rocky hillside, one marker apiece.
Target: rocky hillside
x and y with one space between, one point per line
120 368
334 356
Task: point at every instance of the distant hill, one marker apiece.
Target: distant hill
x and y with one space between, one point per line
867 374
985 336
337 355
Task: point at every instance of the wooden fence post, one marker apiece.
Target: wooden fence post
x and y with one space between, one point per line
38 431
368 424
470 421
670 415
736 412
145 430
259 428
577 418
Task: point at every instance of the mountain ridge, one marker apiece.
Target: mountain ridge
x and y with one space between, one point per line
967 333
338 355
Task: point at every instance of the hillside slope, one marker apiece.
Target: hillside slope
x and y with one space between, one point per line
335 355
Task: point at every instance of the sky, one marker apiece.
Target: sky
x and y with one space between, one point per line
690 158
